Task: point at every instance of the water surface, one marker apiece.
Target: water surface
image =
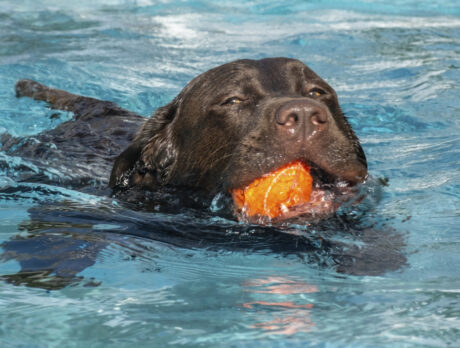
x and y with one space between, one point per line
100 273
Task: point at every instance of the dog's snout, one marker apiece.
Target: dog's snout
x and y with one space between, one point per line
301 114
318 118
288 118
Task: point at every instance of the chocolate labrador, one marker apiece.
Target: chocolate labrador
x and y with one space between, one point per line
227 127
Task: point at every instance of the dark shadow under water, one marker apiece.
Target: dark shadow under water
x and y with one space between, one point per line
63 238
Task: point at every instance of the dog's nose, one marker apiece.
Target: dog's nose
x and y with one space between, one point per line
302 114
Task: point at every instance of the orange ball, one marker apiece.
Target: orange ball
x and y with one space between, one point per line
272 194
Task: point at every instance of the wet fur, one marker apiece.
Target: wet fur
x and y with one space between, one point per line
196 140
189 143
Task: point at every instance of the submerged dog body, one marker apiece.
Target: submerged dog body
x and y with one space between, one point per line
228 126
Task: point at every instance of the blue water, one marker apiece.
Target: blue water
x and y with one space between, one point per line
170 278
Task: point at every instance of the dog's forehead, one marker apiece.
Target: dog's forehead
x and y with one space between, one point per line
270 74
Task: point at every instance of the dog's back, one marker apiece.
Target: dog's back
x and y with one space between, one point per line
83 148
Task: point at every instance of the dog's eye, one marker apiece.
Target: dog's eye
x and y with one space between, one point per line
233 101
316 92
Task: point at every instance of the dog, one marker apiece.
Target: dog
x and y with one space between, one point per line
227 127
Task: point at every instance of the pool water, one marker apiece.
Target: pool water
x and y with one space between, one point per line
97 273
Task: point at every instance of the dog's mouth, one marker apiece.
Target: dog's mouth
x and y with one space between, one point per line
328 194
280 200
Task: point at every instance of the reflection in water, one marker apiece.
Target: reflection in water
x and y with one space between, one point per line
288 317
279 285
277 304
296 322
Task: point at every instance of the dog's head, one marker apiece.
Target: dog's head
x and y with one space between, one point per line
236 122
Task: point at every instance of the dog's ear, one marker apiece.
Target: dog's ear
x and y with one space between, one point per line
152 154
124 166
159 150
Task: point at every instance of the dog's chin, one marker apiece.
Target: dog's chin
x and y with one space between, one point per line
323 203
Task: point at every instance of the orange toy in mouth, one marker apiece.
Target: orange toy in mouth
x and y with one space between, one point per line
274 193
